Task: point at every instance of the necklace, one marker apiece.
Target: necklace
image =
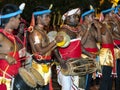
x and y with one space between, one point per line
73 29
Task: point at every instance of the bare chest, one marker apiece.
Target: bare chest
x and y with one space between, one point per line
6 46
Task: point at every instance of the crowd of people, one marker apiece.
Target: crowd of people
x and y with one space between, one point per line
85 47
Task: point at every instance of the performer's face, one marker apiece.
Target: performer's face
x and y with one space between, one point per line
16 21
72 20
45 19
108 16
91 17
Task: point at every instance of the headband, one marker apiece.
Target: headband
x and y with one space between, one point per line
116 9
87 13
21 8
41 12
108 10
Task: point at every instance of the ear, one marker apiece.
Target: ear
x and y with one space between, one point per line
38 17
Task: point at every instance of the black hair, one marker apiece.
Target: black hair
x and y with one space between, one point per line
84 10
39 8
8 8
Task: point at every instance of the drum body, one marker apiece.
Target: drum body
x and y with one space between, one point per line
24 80
39 79
44 73
79 67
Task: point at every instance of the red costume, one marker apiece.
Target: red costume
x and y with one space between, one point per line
12 69
72 51
92 50
111 47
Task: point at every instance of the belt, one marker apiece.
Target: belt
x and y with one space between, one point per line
40 57
43 61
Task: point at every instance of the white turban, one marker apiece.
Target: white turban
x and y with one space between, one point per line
71 12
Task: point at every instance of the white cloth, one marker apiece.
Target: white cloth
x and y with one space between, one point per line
67 82
71 12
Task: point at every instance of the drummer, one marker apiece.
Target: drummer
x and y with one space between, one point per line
40 44
10 47
73 50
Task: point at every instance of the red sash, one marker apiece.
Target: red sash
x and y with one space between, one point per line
13 69
94 50
111 47
72 51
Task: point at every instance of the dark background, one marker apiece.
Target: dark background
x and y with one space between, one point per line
58 5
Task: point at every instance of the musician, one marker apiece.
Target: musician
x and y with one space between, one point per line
41 45
107 53
73 50
91 36
10 46
115 30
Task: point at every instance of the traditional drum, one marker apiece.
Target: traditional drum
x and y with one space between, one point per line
24 80
66 39
51 35
44 70
37 76
80 66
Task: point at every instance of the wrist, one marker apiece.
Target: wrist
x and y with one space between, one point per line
55 41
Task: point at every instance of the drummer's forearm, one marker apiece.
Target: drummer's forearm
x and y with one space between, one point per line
57 55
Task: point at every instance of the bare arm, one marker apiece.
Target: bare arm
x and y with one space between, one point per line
98 26
85 35
60 60
36 45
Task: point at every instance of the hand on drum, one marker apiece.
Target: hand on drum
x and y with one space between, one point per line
10 59
59 38
63 64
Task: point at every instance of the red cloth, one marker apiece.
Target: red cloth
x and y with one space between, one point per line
117 42
50 84
72 51
40 57
111 47
3 86
13 69
94 50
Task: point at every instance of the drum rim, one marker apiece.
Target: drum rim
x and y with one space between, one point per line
31 70
32 77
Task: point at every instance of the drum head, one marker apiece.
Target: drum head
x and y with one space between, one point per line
27 77
51 35
37 76
66 40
